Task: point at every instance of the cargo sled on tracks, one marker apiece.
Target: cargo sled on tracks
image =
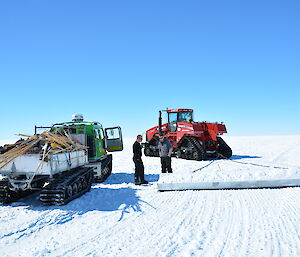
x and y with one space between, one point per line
62 163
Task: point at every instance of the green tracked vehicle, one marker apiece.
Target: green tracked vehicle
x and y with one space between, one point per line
66 175
99 141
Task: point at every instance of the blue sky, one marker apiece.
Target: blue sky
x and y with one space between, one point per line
119 62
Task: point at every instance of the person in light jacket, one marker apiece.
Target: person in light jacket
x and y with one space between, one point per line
165 151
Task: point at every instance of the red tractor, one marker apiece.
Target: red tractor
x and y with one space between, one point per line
191 140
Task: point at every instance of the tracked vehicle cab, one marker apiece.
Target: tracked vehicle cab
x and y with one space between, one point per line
178 115
93 135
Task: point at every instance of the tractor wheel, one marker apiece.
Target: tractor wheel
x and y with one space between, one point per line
75 188
84 183
69 191
79 183
224 150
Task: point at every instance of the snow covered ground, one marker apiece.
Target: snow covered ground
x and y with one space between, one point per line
118 218
262 158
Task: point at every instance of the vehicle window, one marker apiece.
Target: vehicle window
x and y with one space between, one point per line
72 130
80 131
97 134
113 133
172 117
185 116
101 133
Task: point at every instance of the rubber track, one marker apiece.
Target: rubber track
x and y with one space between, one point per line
198 148
55 193
153 153
224 150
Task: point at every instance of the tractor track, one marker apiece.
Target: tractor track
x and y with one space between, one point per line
211 230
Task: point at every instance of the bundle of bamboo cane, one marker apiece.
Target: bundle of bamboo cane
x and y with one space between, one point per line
45 143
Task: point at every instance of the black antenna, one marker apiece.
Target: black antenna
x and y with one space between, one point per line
159 124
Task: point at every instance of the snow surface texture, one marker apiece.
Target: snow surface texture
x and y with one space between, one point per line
118 218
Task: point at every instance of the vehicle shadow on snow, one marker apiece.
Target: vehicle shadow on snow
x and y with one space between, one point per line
124 200
102 199
119 178
119 202
238 157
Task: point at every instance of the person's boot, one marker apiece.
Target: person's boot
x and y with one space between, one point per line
144 182
137 181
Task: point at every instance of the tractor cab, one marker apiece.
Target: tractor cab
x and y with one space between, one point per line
178 115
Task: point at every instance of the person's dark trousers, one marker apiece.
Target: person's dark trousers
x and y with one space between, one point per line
166 164
139 171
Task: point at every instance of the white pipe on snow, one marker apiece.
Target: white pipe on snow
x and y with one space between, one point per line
229 185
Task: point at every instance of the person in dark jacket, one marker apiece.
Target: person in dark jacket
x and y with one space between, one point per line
165 151
137 159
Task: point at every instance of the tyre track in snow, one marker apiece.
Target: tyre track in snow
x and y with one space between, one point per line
185 240
106 234
180 226
33 226
268 222
262 236
282 227
188 232
165 218
194 219
247 209
168 218
200 223
275 217
268 229
294 208
232 228
223 219
207 225
240 220
244 223
284 224
45 220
